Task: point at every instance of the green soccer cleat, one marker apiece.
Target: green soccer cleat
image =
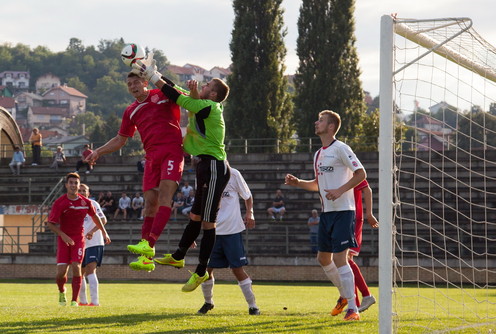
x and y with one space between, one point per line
143 263
194 281
170 261
62 299
74 303
142 248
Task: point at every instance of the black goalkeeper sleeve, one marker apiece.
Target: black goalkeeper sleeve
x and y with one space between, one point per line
168 81
170 92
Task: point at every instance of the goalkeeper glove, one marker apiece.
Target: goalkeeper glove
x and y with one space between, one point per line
147 69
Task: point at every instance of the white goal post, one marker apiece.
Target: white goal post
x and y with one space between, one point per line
437 177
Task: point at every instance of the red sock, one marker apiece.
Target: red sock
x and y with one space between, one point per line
161 219
76 286
61 283
146 227
359 280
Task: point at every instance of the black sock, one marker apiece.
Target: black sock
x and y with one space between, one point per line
206 246
191 232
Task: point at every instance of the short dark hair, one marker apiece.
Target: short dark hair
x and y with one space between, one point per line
221 88
72 176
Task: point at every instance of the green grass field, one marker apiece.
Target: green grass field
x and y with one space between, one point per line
156 307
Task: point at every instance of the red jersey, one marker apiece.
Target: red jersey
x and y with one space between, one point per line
157 121
69 214
357 191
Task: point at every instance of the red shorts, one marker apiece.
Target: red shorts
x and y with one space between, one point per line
358 236
68 254
162 165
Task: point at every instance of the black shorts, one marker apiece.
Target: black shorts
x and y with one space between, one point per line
212 177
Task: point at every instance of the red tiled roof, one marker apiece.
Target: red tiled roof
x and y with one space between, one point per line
50 111
69 90
7 102
180 70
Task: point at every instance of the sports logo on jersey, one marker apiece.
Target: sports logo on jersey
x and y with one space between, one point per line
326 169
155 98
226 194
83 203
354 163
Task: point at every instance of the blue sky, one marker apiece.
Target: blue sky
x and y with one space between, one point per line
198 31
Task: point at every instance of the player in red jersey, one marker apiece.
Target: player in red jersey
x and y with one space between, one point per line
360 283
156 118
66 219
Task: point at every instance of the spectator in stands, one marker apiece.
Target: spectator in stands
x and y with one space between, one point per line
186 189
86 152
108 204
123 206
188 203
313 225
36 142
137 206
58 158
178 204
101 196
17 161
277 206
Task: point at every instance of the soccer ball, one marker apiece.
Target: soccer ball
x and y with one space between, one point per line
132 52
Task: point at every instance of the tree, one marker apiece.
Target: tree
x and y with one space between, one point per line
328 75
259 105
475 129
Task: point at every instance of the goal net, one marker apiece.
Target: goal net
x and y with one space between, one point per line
437 178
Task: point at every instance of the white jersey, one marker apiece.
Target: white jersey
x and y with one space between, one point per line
97 239
229 220
334 166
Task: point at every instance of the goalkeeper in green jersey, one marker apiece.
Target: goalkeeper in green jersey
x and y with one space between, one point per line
205 140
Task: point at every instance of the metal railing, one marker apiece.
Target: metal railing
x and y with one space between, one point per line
39 218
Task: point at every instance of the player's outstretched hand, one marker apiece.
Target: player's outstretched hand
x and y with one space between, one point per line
149 72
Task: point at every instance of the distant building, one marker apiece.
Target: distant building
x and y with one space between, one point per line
26 100
73 145
184 74
66 97
15 79
46 82
198 73
9 104
46 116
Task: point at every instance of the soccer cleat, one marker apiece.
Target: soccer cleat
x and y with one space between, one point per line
62 299
169 260
205 308
253 311
340 305
366 303
83 304
91 304
74 303
351 315
142 248
194 281
143 263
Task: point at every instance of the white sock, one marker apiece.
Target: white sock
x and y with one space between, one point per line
332 273
247 290
208 290
93 282
82 292
348 282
